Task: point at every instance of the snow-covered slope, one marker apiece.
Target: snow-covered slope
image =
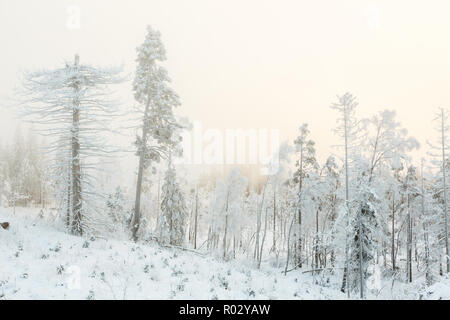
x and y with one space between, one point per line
439 290
39 262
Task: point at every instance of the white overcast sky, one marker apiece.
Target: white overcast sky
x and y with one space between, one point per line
253 63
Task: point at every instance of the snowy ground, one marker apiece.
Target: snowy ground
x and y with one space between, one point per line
39 262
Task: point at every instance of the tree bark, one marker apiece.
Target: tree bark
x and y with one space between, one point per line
360 238
274 218
393 234
288 245
263 240
76 167
135 224
445 190
408 242
69 195
316 247
196 218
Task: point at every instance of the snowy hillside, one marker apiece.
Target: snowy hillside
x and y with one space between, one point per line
39 262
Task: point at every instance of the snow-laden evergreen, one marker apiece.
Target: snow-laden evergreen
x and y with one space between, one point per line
172 223
72 106
156 101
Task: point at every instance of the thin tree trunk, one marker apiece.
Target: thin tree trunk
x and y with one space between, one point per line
360 239
225 237
258 222
226 227
137 205
158 207
408 245
316 247
274 218
425 231
288 245
299 257
68 196
209 239
76 167
196 218
393 233
345 282
410 249
263 240
445 190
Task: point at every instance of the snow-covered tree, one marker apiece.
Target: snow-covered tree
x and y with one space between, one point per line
347 128
442 146
386 146
411 191
331 199
387 142
226 209
173 219
72 106
306 164
155 103
439 205
120 215
429 249
279 174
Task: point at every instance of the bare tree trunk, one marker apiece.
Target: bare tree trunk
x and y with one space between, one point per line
345 282
445 190
196 218
282 229
360 236
300 182
333 218
69 195
274 218
258 223
408 243
299 257
190 230
425 231
226 227
410 250
263 240
288 245
416 258
316 247
209 239
427 255
135 224
225 237
346 270
170 229
393 234
76 167
158 207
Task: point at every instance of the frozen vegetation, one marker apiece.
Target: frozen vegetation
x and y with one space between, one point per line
41 262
